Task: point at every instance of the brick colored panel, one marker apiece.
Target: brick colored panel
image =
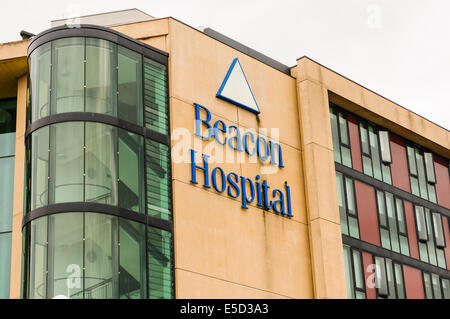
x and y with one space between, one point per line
354 142
367 213
447 240
369 275
411 227
399 166
442 181
413 283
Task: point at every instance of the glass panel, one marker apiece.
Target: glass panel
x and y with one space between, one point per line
39 167
384 146
100 255
37 260
155 96
386 170
390 279
415 186
158 180
68 75
359 275
423 252
349 272
381 208
131 171
341 200
39 66
446 288
436 286
65 262
130 86
101 164
364 139
404 245
367 165
429 167
375 153
335 134
8 144
6 193
390 206
421 224
353 227
427 284
5 264
132 272
160 263
421 175
400 216
430 243
360 295
67 159
380 277
440 258
438 230
431 193
343 129
411 161
350 196
101 77
399 281
346 156
385 238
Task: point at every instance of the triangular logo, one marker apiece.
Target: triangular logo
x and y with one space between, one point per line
235 88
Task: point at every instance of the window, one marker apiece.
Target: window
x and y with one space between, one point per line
430 237
341 140
5 263
40 70
391 216
159 263
421 173
436 287
347 205
389 279
155 96
39 167
129 86
158 180
354 273
6 193
375 151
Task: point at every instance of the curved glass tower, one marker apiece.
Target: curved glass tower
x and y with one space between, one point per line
98 220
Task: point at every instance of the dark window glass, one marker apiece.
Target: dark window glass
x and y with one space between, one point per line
131 171
132 274
130 86
160 263
341 141
158 180
67 75
101 77
155 96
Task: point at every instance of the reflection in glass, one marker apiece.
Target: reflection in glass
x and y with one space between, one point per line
101 164
40 68
65 260
68 75
5 264
129 86
6 193
131 171
36 235
155 92
159 263
101 76
67 159
39 167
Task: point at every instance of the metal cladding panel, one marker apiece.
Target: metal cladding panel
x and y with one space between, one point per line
367 213
354 142
413 283
442 181
411 228
369 275
399 165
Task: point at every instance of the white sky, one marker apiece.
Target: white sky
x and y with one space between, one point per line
399 49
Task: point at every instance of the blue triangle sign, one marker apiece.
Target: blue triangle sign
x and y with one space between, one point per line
236 90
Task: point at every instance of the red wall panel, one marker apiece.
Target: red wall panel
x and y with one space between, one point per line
367 213
354 142
411 228
442 181
447 240
413 283
399 165
369 275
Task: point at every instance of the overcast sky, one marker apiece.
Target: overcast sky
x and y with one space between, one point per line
397 48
